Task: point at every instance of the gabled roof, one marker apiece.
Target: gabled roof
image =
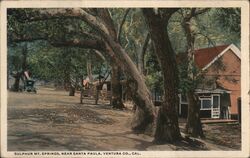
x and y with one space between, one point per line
204 56
207 56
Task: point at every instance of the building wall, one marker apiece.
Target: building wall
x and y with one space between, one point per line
224 98
227 70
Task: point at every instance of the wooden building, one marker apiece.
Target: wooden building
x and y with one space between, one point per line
220 92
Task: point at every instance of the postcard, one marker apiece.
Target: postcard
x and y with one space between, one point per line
142 78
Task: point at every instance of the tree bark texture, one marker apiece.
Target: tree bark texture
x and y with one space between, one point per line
116 88
167 128
141 55
97 92
193 125
141 119
89 70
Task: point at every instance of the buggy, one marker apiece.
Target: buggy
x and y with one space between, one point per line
29 86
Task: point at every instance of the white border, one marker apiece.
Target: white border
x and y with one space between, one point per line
219 3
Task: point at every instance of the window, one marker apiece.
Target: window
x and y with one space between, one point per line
206 103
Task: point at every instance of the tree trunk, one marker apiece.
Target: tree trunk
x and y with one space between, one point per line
89 70
24 58
193 126
16 86
73 85
142 96
141 118
167 128
72 91
141 55
82 89
66 84
116 88
97 94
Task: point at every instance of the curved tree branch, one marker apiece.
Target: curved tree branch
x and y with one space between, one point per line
105 16
78 13
121 25
89 44
81 43
145 45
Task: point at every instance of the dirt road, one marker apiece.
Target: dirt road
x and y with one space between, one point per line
53 121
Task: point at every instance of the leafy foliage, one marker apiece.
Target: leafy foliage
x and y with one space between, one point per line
215 27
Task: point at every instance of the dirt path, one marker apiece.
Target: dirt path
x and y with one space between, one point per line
52 121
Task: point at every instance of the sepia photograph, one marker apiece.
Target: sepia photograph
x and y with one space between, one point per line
124 81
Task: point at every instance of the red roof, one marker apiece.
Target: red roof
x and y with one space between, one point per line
204 56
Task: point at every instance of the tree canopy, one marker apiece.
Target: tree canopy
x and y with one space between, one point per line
140 44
